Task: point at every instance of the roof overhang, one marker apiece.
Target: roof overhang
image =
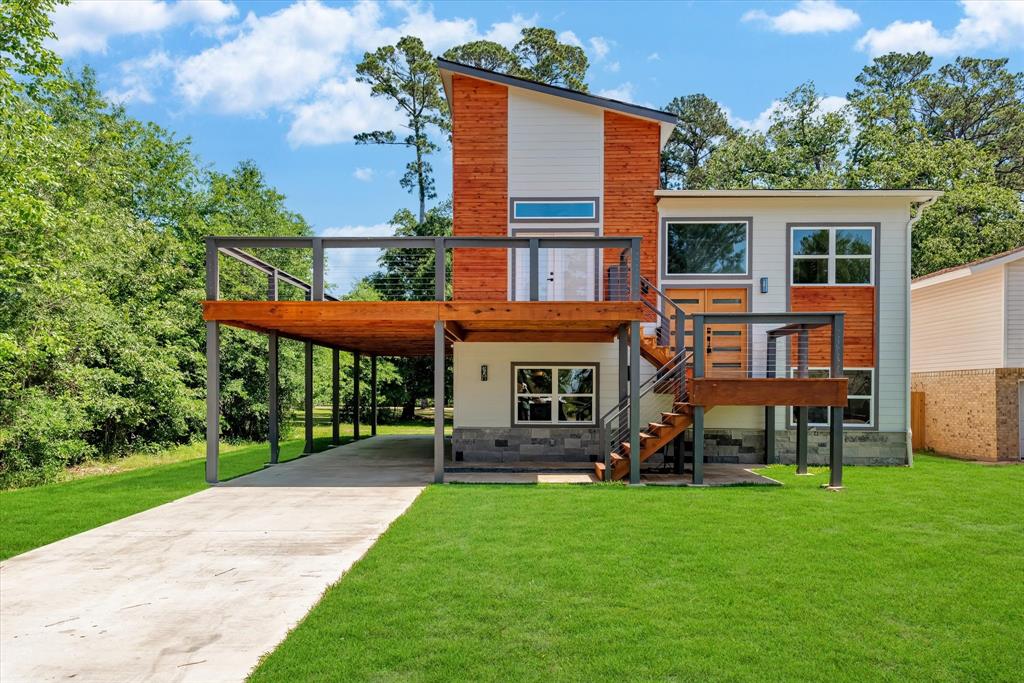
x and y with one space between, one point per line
968 269
912 195
666 120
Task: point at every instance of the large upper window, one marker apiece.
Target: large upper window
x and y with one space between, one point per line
547 394
554 210
706 248
859 410
833 256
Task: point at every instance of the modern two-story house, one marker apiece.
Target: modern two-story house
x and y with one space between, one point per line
594 317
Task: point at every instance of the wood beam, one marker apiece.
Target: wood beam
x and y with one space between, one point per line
768 392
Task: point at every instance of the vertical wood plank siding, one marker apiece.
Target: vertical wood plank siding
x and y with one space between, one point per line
480 186
632 161
859 335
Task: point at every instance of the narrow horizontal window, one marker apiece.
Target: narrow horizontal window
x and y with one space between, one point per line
706 248
554 210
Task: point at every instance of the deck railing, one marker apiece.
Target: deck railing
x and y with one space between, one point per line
438 268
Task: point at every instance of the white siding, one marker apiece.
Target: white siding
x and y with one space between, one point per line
958 325
555 147
489 404
770 216
1015 314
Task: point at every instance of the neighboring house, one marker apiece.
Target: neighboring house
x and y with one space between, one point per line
967 357
571 269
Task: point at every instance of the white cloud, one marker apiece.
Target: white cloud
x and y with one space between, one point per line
622 92
342 107
600 46
88 25
653 57
613 67
364 174
140 76
761 122
809 16
986 23
345 267
570 38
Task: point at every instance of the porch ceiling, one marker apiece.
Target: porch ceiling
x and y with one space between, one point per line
406 328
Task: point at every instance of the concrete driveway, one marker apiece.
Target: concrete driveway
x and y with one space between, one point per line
200 588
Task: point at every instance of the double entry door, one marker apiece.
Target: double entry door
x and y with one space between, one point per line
726 347
563 274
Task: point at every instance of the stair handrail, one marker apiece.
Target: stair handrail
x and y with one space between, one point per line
615 421
664 319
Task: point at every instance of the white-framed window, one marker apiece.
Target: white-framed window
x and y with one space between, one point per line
860 394
554 394
565 210
706 247
832 255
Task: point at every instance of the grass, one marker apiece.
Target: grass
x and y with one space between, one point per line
102 492
907 574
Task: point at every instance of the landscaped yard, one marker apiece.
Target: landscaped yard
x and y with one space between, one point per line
908 574
32 517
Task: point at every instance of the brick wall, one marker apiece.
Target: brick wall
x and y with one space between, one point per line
632 162
971 413
479 186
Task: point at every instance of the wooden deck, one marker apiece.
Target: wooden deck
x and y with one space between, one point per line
406 328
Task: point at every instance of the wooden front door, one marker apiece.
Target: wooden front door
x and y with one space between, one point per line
729 352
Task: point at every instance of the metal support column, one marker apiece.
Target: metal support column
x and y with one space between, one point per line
801 411
439 402
308 447
770 455
698 410
272 400
678 450
212 366
634 402
212 401
373 395
357 405
335 396
835 433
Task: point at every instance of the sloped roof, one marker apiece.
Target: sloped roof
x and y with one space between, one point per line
955 272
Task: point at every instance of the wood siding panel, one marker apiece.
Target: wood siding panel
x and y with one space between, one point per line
859 330
479 186
632 160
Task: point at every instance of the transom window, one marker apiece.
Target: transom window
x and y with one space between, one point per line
859 410
554 210
833 255
706 247
555 394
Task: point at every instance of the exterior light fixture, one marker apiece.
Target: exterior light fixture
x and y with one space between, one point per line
764 285
483 373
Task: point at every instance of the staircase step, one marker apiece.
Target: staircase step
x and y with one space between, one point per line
657 426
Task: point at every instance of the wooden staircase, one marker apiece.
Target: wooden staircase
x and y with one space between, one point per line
654 353
653 439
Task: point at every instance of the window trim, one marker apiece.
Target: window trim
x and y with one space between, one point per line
873 397
594 201
667 276
831 257
595 367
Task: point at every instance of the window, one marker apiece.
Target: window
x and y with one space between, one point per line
859 410
706 248
546 394
554 210
832 256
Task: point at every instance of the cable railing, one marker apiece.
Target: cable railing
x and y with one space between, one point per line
427 268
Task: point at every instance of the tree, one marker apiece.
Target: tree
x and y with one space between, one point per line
803 147
407 75
702 126
543 58
485 54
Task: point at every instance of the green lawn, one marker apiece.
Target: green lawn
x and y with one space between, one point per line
32 517
907 574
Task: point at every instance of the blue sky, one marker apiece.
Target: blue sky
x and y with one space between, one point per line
274 81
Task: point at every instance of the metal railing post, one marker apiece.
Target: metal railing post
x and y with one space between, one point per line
634 269
769 411
440 269
318 269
